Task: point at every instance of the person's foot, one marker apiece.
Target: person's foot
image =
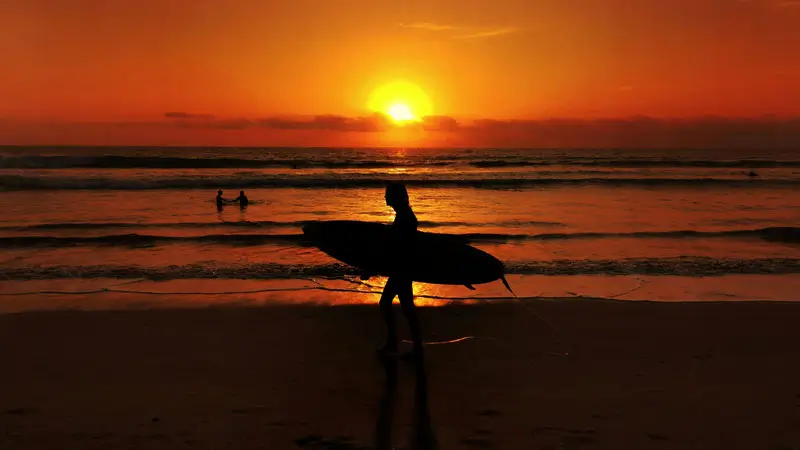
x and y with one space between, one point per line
415 355
388 350
409 357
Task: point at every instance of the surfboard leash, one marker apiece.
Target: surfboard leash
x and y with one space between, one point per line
538 316
505 283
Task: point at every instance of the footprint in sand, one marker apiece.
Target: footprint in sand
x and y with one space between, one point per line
317 442
20 411
477 442
658 437
489 413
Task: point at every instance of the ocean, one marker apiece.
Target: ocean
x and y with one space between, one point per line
137 227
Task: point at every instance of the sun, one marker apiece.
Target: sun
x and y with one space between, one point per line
400 112
403 101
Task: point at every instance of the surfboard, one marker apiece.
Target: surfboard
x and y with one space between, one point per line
425 257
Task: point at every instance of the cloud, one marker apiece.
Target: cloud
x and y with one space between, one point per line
430 26
376 122
465 32
638 132
185 115
439 123
767 132
323 122
488 33
633 132
327 122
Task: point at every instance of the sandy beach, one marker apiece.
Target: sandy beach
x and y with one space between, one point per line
615 375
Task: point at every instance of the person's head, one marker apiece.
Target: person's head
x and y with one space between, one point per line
241 193
219 192
396 195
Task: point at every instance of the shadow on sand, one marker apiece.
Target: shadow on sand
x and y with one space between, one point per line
422 436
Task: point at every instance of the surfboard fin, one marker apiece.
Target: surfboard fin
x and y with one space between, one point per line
470 287
505 283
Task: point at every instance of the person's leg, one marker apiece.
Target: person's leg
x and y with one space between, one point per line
405 291
389 292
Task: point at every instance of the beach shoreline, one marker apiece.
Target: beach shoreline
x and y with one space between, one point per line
543 374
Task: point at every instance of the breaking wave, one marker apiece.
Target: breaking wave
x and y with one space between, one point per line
682 266
257 224
155 162
260 180
774 234
338 161
639 163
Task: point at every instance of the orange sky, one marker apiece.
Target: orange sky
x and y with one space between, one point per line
129 62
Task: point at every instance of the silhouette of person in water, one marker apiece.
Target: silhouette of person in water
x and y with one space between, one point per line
220 200
404 226
242 199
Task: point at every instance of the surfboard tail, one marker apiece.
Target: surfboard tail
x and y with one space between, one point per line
505 283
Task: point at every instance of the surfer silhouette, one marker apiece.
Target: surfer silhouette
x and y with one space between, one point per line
404 226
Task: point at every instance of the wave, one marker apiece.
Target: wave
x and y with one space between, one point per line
256 180
682 266
266 224
258 224
638 163
145 240
339 161
156 162
774 234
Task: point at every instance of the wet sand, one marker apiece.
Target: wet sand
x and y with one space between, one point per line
614 375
